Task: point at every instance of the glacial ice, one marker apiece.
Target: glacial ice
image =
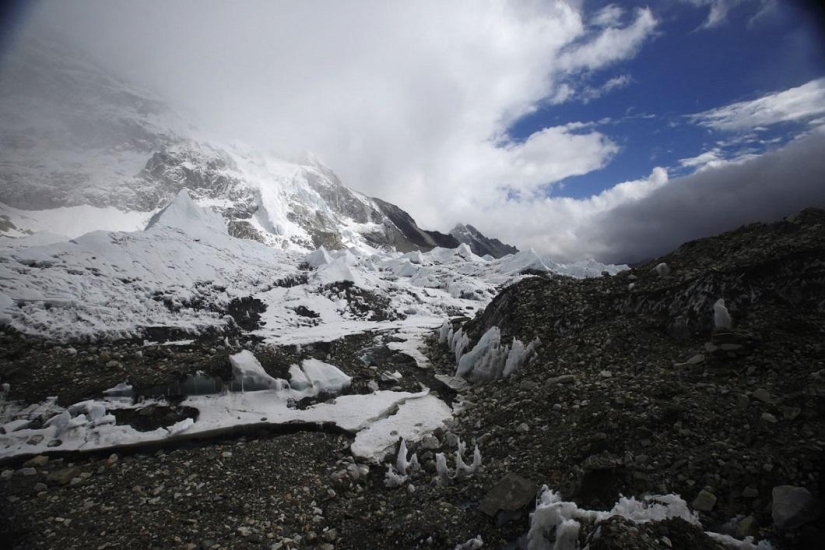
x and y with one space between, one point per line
721 317
318 258
323 377
489 360
251 376
564 516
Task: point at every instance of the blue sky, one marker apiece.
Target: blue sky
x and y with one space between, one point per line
684 69
540 122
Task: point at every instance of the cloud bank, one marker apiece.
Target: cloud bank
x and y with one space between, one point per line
409 101
412 102
771 186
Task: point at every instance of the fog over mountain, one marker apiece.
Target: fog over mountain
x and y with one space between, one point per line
449 112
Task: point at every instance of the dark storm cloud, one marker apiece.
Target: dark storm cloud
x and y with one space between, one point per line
774 185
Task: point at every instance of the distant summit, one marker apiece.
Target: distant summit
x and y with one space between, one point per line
479 244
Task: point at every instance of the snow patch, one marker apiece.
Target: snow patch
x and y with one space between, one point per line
414 419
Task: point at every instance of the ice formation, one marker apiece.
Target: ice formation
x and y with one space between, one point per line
318 258
251 376
562 518
404 467
323 377
462 469
721 317
472 544
402 463
489 360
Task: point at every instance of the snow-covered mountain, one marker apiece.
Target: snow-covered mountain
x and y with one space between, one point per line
75 137
479 244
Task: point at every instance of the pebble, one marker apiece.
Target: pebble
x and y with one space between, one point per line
37 462
762 395
750 492
769 418
563 379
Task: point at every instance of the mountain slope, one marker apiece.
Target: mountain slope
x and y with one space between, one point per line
480 244
74 135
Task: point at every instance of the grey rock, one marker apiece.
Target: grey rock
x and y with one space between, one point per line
731 347
793 507
563 379
762 395
510 494
64 476
769 418
750 492
747 527
37 462
704 501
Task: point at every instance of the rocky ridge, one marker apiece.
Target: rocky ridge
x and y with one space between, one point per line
479 244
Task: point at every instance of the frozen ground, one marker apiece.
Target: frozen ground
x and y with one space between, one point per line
185 273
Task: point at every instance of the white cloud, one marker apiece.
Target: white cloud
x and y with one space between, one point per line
409 101
718 12
562 226
611 44
796 104
615 83
715 158
608 16
638 220
776 184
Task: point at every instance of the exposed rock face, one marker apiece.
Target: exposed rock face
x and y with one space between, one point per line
479 244
404 233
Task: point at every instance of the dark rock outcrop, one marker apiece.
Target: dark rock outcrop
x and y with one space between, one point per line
479 244
404 233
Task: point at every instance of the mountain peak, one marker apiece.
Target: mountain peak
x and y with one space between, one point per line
479 244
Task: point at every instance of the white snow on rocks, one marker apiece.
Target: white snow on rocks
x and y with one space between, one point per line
184 268
87 426
558 521
415 419
318 258
182 272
